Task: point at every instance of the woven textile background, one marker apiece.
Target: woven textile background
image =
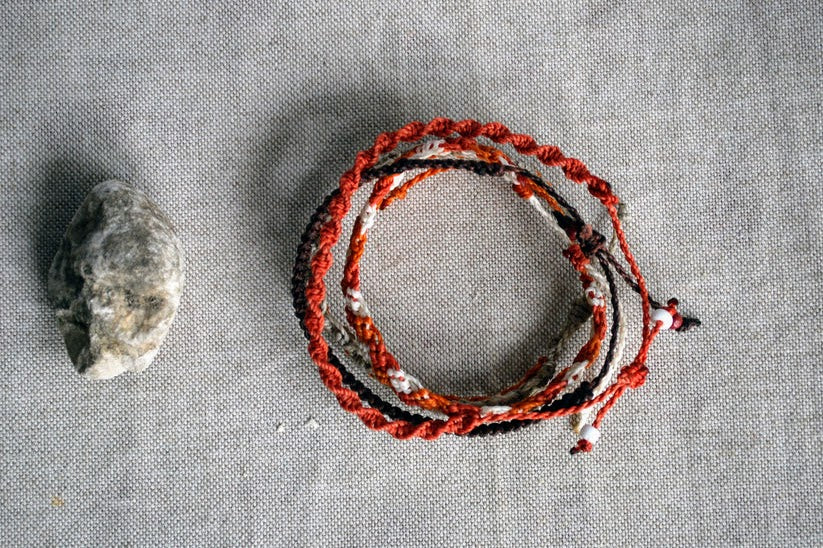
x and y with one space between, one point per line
238 119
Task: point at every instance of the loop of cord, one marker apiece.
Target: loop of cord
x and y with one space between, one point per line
547 390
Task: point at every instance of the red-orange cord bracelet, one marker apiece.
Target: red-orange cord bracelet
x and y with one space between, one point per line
542 393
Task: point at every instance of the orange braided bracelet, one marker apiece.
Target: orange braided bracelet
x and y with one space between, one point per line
544 392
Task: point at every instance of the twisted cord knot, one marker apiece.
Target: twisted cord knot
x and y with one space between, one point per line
591 242
680 323
636 375
583 446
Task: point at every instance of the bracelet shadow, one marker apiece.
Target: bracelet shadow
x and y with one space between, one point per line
80 154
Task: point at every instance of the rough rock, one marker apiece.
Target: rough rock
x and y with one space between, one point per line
116 281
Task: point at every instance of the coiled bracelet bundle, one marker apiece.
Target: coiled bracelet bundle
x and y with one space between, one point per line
547 390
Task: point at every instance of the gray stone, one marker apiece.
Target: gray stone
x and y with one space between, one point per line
116 281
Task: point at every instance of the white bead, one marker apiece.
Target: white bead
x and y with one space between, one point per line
590 434
662 315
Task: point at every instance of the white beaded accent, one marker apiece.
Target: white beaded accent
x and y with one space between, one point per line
590 434
662 315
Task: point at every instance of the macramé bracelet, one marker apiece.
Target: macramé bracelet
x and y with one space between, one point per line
547 390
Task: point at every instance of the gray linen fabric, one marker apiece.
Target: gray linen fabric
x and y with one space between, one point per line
238 119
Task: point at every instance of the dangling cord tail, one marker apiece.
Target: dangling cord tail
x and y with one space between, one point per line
603 380
634 375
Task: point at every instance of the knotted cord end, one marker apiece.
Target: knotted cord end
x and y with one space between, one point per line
589 435
678 322
583 446
688 324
